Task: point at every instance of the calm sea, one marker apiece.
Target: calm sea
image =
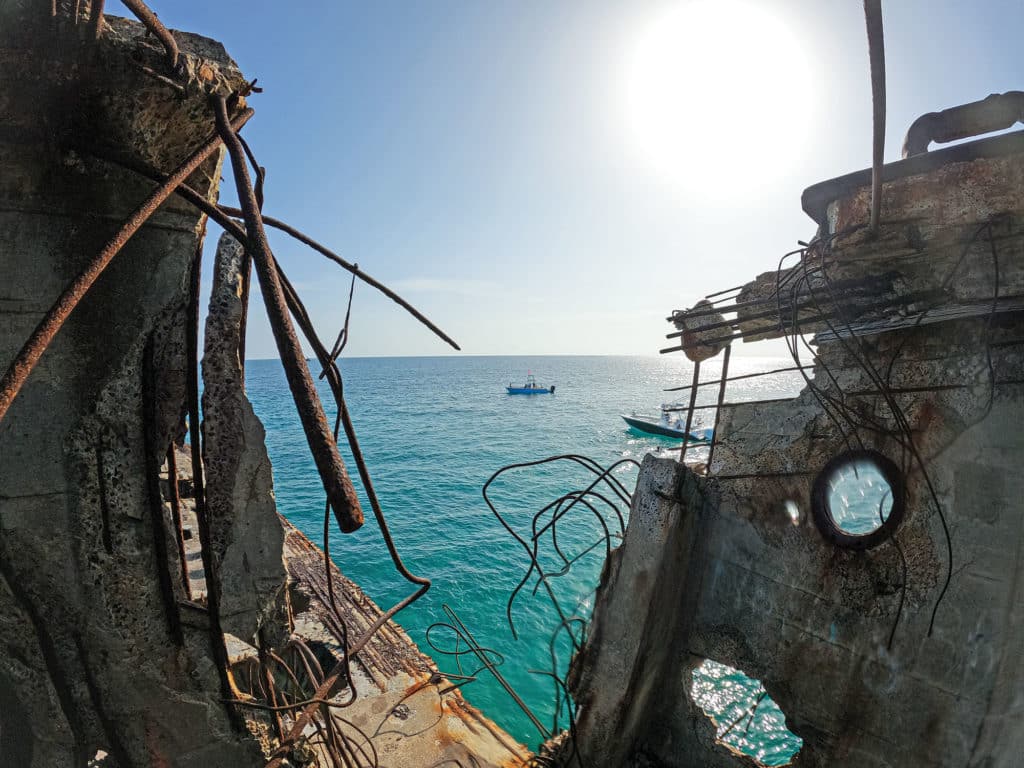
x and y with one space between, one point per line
433 430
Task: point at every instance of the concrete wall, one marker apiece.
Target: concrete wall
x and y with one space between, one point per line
95 653
715 567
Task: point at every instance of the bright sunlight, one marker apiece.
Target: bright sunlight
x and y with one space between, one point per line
715 91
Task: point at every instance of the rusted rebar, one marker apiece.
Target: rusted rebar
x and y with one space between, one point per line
270 221
27 358
224 215
689 411
756 375
96 19
723 383
334 380
337 483
876 52
153 24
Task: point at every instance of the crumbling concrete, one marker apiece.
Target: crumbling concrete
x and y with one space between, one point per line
412 715
97 653
927 369
246 535
109 641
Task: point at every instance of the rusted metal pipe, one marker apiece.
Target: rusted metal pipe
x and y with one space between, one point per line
337 483
876 52
270 221
721 399
96 19
993 113
222 215
726 378
340 673
334 380
153 24
27 358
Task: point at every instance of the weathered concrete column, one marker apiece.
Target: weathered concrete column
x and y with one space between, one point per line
97 652
247 535
627 680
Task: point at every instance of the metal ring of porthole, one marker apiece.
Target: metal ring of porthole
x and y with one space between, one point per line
876 484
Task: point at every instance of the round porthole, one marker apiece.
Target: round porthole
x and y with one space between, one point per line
857 500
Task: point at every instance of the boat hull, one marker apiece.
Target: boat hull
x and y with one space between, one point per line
654 428
530 390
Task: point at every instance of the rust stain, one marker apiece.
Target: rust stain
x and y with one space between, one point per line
157 757
415 688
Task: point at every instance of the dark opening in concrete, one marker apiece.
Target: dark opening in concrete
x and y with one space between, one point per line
746 718
857 500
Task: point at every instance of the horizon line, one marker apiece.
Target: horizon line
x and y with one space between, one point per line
538 354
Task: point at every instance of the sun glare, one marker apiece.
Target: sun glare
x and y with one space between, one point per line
715 91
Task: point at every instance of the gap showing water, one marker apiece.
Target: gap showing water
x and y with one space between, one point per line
433 430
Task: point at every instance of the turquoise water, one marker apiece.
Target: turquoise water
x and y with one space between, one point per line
433 430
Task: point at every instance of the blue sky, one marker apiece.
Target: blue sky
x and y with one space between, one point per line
478 156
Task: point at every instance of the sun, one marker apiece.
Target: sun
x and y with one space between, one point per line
716 93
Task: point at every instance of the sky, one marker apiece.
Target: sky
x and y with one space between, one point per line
556 176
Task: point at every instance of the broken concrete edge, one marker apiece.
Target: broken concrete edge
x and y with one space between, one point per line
390 657
635 632
873 661
817 198
104 97
246 536
104 650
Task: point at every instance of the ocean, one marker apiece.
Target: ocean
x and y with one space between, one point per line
433 430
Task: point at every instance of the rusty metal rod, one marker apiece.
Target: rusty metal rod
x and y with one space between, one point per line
868 284
723 292
787 322
481 653
689 412
153 24
718 410
337 483
876 53
221 214
742 376
27 358
96 19
340 671
803 301
334 380
270 221
712 309
733 405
